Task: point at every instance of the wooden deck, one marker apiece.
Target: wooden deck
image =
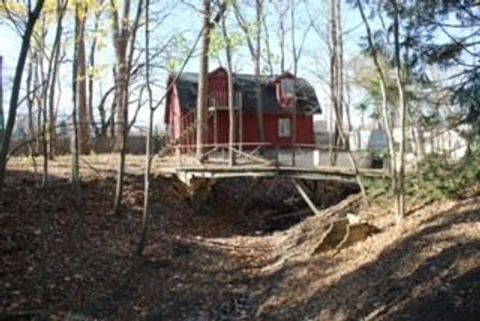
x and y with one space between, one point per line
188 168
200 176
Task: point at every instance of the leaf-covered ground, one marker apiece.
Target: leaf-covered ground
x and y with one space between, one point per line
239 257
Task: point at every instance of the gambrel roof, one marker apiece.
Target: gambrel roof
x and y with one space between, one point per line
307 102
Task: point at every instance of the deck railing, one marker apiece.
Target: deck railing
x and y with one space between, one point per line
254 153
218 100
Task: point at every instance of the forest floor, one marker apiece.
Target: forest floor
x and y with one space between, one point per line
67 260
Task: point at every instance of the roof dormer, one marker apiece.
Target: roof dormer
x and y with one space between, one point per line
218 88
285 90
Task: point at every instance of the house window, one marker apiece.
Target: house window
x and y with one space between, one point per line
284 127
288 88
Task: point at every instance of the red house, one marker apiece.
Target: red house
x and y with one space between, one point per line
279 95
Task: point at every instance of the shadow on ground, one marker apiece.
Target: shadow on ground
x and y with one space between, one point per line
84 268
430 275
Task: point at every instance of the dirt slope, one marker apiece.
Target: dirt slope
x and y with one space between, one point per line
222 265
428 269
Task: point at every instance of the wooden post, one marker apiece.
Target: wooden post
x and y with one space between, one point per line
187 134
192 133
178 157
215 124
294 134
305 197
277 155
240 125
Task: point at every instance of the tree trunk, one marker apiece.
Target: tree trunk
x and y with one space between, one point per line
30 103
334 82
61 6
281 35
75 142
91 74
42 98
127 36
342 106
113 107
130 57
15 93
385 109
45 130
258 54
231 94
82 107
353 162
2 118
417 136
148 145
399 192
202 100
121 35
120 39
268 47
295 71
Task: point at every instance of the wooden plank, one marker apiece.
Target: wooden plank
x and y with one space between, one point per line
305 196
254 158
328 171
192 168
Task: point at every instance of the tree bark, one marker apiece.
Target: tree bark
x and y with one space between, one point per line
148 145
121 35
281 34
30 103
258 54
42 101
231 94
2 118
268 49
334 82
383 86
128 35
61 6
91 74
202 99
120 41
75 142
342 106
231 115
399 192
17 81
295 71
82 107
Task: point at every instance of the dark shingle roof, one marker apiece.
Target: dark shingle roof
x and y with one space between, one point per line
307 101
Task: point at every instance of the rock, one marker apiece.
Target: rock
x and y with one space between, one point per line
342 233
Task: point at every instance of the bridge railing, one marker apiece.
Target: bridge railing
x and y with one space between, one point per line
252 153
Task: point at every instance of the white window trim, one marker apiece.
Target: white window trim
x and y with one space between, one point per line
288 87
284 127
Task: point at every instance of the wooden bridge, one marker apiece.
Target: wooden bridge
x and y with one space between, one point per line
253 160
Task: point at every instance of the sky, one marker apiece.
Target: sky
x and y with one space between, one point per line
184 21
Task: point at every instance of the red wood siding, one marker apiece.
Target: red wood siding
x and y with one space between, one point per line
175 114
218 88
179 119
305 134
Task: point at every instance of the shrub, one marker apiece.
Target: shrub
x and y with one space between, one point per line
439 178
